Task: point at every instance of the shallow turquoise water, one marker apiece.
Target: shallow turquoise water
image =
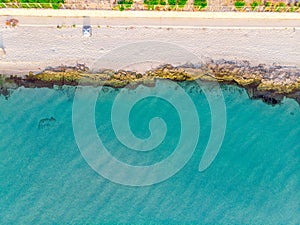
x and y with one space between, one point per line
44 179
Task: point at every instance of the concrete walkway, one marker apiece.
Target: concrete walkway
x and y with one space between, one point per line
37 42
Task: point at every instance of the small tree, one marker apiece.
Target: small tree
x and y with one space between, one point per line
280 6
124 4
268 4
172 2
254 5
201 4
239 4
162 2
152 3
181 3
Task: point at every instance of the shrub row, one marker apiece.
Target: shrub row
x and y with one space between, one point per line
174 3
55 4
267 6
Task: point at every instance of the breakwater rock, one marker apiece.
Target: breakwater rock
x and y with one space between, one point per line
269 83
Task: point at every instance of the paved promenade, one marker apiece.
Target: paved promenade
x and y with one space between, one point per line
37 42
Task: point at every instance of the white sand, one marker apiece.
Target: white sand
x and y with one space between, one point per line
32 48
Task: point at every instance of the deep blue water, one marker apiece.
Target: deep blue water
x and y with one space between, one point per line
44 179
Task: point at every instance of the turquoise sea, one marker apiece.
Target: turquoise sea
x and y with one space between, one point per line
44 179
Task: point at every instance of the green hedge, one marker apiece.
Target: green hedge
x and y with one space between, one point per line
181 3
200 3
151 2
172 2
280 7
55 4
125 4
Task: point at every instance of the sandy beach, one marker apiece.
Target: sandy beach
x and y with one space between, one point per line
37 42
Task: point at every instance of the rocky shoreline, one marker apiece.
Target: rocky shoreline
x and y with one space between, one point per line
268 83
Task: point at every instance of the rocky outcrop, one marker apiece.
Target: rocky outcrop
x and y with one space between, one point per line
269 83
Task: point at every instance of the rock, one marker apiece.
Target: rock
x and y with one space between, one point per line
46 122
12 22
270 84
